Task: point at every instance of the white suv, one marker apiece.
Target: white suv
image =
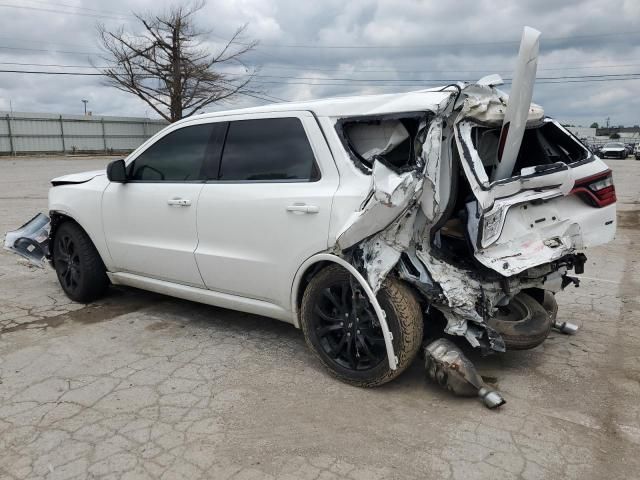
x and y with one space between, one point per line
370 222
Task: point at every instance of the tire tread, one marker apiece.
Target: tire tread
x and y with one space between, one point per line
94 277
406 310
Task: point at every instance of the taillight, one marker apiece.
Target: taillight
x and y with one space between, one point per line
597 190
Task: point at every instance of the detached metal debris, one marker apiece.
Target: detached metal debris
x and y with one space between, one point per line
31 240
447 366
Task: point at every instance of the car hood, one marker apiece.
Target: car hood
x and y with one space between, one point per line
81 177
613 149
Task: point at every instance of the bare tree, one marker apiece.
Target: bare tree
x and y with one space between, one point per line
168 67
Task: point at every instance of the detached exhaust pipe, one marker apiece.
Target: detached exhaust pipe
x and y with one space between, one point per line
551 307
447 366
567 328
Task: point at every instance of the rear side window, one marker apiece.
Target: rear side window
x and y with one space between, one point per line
181 156
395 140
274 149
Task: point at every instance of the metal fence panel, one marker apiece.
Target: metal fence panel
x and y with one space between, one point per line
4 127
50 133
33 144
5 146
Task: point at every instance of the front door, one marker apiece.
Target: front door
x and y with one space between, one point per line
150 221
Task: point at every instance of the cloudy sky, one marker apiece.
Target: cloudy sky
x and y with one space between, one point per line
340 47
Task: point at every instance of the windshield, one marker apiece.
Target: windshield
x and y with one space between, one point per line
614 145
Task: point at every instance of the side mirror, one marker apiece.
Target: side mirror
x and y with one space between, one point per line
117 171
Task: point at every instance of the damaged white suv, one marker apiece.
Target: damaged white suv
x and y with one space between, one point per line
370 222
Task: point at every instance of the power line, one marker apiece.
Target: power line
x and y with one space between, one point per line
50 10
58 65
41 72
416 81
47 65
80 8
74 52
485 70
87 74
439 45
443 80
428 82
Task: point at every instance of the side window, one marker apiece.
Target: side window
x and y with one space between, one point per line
268 149
184 155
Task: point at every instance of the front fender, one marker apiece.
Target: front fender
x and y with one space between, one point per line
83 204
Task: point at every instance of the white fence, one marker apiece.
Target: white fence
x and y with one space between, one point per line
24 133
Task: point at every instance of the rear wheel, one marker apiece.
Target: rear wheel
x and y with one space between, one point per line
342 329
523 324
79 268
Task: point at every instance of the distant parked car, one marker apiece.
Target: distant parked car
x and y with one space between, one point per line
636 151
613 150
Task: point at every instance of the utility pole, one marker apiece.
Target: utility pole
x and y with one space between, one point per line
85 105
608 118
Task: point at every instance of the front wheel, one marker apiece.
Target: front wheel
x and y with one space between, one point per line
342 329
79 268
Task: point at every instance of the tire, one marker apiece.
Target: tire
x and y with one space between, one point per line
524 323
361 357
80 270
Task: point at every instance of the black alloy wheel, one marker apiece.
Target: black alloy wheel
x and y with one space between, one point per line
80 270
347 327
342 329
67 263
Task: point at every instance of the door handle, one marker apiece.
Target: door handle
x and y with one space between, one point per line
302 208
179 202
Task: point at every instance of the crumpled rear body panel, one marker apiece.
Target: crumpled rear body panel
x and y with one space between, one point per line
526 229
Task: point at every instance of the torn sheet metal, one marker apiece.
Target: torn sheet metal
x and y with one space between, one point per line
519 103
404 204
397 216
390 195
31 240
395 196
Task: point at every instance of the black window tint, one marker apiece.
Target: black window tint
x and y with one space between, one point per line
180 155
267 149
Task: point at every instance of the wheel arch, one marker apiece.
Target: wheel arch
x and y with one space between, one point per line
57 218
315 264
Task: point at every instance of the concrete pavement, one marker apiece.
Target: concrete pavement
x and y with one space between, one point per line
145 386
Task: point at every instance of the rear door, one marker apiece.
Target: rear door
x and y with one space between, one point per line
150 221
269 208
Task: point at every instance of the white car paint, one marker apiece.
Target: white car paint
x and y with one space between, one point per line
149 233
256 234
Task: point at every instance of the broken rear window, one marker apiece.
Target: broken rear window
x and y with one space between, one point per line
395 140
541 145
